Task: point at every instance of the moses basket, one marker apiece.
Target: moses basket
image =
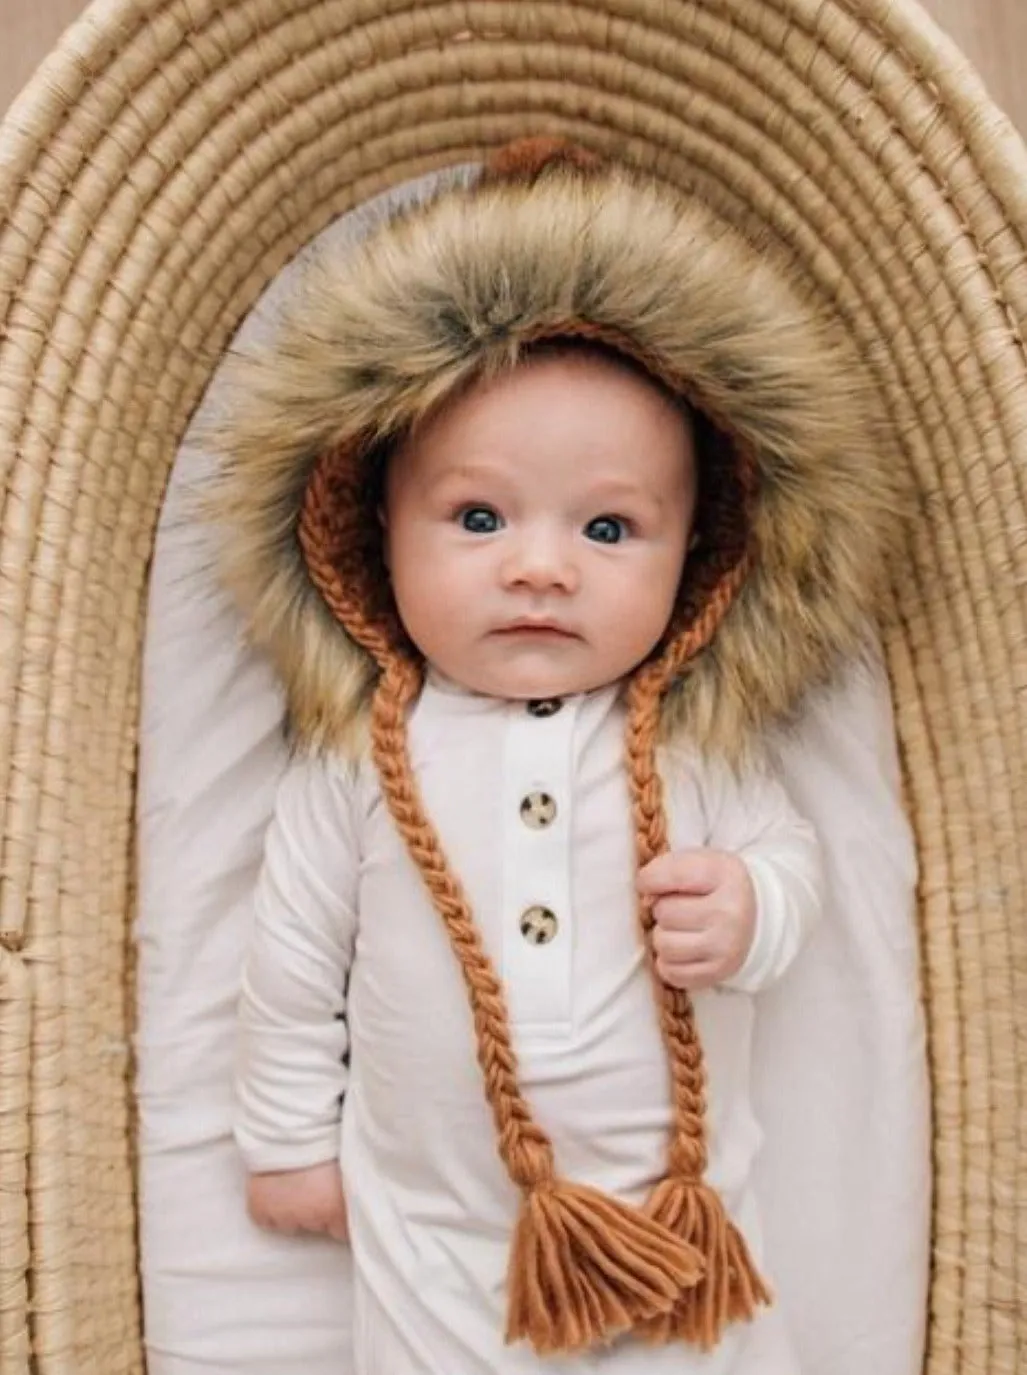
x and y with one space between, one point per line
167 160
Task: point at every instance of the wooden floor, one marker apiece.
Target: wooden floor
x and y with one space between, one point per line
993 34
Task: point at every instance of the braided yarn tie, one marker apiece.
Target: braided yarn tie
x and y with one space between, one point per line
583 1266
730 1288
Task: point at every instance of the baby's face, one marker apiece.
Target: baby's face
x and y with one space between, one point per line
536 527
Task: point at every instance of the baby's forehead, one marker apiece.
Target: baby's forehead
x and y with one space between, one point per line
587 416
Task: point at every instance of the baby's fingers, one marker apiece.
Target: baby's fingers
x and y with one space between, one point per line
271 1219
682 947
677 913
688 959
681 871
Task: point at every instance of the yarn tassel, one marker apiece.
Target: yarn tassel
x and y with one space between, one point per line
730 1289
585 1267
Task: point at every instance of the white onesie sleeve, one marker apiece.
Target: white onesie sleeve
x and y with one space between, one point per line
292 1042
750 815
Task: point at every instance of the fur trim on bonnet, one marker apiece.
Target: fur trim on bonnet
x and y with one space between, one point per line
385 329
795 514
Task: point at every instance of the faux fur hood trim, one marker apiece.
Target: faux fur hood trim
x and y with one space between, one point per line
381 332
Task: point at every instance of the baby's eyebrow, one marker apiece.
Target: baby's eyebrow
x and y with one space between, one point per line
617 489
486 478
473 471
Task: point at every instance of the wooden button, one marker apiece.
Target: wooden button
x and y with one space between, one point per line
538 925
538 810
545 706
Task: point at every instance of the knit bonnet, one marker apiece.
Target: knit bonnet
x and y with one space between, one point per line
796 507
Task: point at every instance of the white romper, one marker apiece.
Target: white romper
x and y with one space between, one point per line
352 994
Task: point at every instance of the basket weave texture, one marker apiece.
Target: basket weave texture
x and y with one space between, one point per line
166 161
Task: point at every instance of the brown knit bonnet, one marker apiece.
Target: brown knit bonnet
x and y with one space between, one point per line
584 1267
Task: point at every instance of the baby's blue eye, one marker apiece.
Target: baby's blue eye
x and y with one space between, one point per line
480 520
606 530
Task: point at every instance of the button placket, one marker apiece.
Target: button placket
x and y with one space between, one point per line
537 918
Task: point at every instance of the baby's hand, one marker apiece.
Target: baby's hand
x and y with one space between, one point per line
704 911
291 1201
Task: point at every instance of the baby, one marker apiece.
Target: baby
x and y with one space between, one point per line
547 509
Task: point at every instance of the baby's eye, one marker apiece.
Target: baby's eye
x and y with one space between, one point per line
480 520
606 530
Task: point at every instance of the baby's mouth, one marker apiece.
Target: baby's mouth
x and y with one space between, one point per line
543 629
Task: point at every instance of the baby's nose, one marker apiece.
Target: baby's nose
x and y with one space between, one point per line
542 561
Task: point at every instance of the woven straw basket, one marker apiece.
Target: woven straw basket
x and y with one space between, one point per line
165 163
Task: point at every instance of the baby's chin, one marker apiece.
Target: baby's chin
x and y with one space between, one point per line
522 680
